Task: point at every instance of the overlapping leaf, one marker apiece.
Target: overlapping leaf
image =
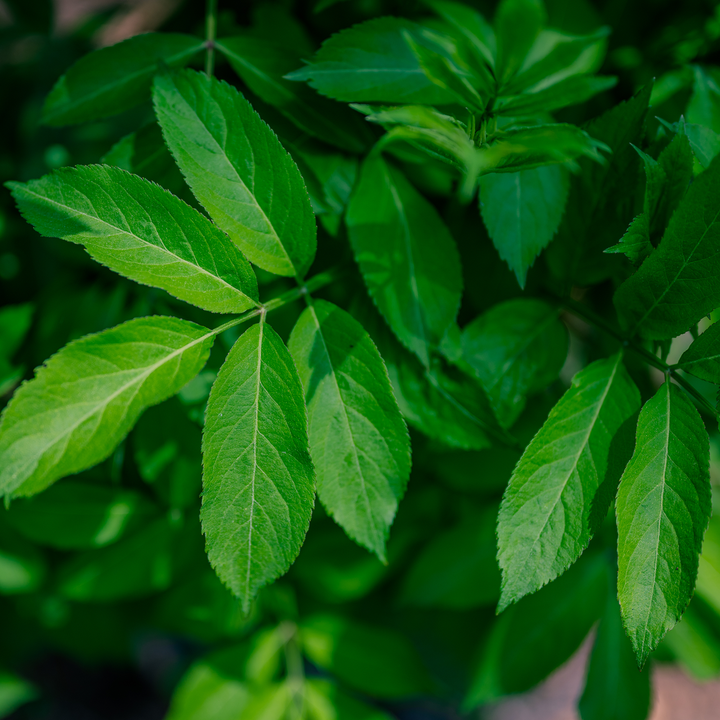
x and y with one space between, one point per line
702 358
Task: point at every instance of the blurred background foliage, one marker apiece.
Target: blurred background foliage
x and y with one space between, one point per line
106 596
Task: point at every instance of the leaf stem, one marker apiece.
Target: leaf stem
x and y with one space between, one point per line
210 30
651 359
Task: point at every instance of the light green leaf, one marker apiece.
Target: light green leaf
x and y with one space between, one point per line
14 692
522 212
115 78
458 568
635 243
702 358
517 24
375 660
85 399
238 170
372 62
562 487
680 281
75 515
323 700
258 480
663 509
142 232
516 348
406 255
262 66
571 91
358 440
614 689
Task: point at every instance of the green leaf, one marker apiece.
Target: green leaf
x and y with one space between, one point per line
635 243
115 78
15 323
258 480
704 106
375 660
705 143
14 692
22 566
458 568
358 440
571 91
85 399
562 487
406 255
522 212
663 509
540 633
372 62
677 162
702 358
680 281
517 24
142 232
614 689
516 348
694 645
262 66
655 180
238 170
75 515
325 701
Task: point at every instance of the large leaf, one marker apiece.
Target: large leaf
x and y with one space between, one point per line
142 232
515 348
262 65
680 281
238 170
372 62
406 254
702 358
522 211
85 399
663 509
564 483
259 483
115 78
358 440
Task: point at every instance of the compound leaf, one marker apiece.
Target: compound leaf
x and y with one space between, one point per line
142 232
663 510
115 78
522 211
561 488
238 170
515 348
406 254
358 440
258 479
680 281
85 399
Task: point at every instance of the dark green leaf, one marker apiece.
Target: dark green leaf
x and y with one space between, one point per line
22 566
677 162
655 180
238 170
705 143
358 440
142 232
517 24
564 483
702 358
258 480
115 78
663 509
635 243
704 106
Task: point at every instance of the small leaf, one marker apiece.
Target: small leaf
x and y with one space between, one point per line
680 281
406 255
238 170
372 62
655 180
516 348
663 509
115 78
562 486
677 162
702 358
358 440
85 399
258 479
522 212
517 24
142 232
635 243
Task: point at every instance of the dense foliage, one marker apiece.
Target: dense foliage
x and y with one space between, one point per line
489 234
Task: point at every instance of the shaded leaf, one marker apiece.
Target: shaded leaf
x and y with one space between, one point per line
635 243
702 358
517 24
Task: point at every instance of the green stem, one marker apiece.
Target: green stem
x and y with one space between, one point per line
670 370
210 30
